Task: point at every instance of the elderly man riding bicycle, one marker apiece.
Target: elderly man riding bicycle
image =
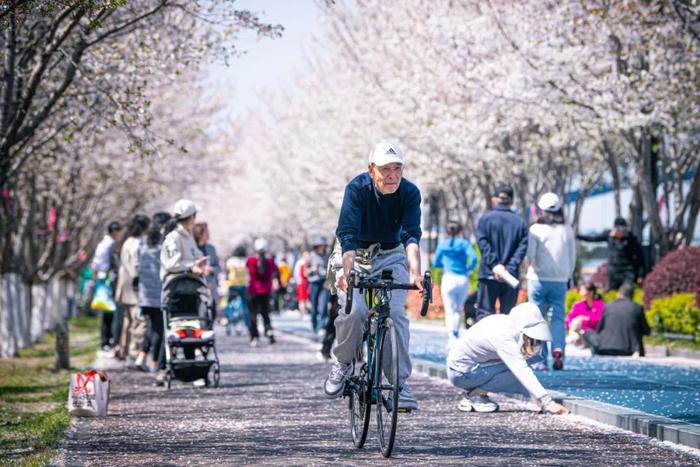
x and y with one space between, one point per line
378 229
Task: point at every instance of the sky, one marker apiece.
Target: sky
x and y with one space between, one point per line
268 64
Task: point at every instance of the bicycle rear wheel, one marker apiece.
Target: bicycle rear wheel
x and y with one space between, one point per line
359 401
387 387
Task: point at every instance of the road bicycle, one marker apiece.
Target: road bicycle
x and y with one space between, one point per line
371 382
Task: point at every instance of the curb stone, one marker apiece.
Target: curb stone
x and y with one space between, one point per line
654 426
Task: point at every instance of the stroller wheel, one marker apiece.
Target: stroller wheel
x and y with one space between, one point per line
216 377
168 380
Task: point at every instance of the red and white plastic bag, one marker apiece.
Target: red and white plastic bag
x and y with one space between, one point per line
89 394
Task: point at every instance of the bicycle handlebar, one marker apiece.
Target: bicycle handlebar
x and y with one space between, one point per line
388 284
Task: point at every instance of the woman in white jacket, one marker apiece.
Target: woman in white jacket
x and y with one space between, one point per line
551 253
180 253
492 356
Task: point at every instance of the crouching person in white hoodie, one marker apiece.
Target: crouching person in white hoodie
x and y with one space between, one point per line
492 356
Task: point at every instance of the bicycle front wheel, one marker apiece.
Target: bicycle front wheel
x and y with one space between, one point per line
387 386
359 402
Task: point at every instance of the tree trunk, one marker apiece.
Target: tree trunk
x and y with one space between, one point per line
615 173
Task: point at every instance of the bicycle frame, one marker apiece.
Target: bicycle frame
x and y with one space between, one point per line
372 335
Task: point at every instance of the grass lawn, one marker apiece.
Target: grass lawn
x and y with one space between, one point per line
33 396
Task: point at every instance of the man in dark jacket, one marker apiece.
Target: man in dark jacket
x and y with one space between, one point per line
624 253
502 238
621 328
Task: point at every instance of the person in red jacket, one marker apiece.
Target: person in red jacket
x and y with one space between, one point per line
261 270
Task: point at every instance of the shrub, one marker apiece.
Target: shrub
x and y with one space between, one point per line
677 272
572 296
678 313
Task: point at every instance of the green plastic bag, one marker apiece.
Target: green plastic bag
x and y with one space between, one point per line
103 300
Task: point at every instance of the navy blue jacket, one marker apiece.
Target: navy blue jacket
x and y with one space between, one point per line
368 217
502 238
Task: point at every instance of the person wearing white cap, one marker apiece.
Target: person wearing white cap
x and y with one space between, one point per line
551 254
492 356
378 229
261 271
180 253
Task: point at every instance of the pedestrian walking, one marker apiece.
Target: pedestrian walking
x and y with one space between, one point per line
317 267
238 285
502 237
455 255
134 327
150 289
104 268
201 236
551 254
494 356
261 270
302 282
180 255
282 278
625 263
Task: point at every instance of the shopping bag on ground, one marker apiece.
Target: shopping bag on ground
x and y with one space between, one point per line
89 394
103 300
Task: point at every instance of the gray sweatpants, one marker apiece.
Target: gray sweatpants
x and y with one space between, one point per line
348 327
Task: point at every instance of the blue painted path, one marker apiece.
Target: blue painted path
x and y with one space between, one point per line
663 389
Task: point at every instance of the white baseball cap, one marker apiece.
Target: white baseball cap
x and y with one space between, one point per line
260 245
385 153
549 202
184 208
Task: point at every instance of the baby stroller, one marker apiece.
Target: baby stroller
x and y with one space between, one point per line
187 316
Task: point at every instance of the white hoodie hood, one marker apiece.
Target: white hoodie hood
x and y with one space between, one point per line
527 319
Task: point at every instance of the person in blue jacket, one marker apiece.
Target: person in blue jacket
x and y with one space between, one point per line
502 238
455 255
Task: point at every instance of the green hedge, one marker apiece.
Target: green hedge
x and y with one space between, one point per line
678 313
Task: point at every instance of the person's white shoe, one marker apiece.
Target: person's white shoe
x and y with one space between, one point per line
482 403
406 400
254 342
465 405
335 383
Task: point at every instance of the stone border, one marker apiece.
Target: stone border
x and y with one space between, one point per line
667 351
655 426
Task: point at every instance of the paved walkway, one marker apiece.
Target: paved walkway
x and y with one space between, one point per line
270 410
668 387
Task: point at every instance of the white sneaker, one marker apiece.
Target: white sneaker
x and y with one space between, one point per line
465 405
406 400
254 342
482 403
335 383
